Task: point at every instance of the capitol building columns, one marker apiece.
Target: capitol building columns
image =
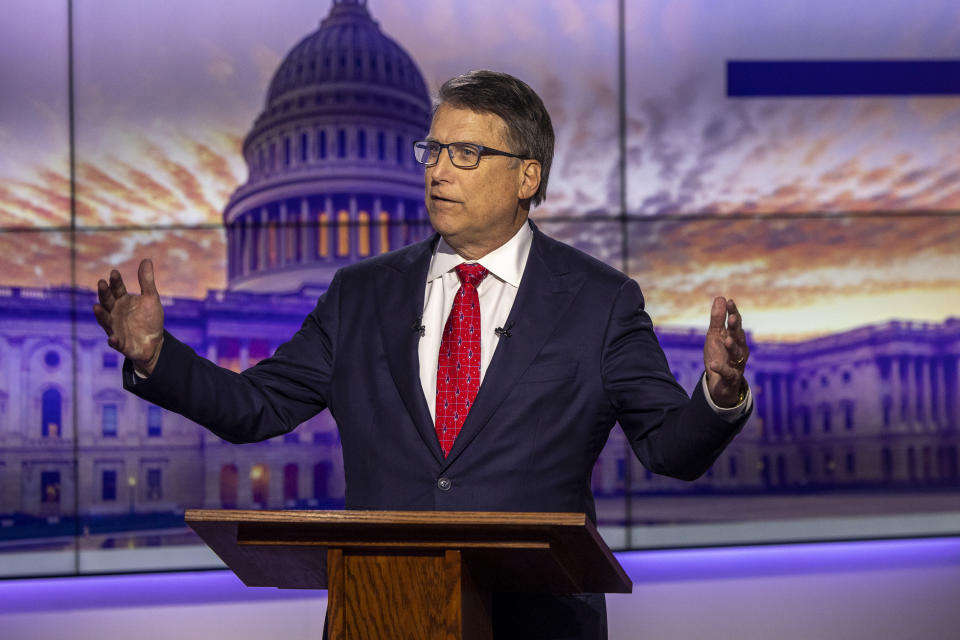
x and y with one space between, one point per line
941 418
331 175
955 405
305 227
15 410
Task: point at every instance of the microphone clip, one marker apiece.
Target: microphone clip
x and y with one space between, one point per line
419 328
503 332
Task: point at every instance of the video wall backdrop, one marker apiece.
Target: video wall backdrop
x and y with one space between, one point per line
252 148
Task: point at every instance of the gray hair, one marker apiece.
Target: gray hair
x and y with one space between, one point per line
529 129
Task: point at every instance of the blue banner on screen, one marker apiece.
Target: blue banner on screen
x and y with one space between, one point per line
791 78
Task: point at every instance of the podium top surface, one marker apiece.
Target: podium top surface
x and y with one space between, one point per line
350 517
525 551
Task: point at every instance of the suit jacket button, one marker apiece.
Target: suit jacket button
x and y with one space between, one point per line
444 484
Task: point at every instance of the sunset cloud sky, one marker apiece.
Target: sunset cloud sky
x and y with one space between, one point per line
165 93
795 278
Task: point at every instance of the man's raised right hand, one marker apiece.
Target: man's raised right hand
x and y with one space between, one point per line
133 323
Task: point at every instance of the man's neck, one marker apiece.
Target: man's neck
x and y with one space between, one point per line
473 252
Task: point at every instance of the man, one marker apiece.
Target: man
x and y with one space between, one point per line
522 354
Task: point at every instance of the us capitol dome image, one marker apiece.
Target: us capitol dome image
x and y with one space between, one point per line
331 180
331 172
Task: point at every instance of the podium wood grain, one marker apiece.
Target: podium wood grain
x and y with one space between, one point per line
412 574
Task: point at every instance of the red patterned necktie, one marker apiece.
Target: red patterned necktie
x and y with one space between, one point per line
458 367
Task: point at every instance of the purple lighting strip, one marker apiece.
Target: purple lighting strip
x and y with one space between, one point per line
644 567
134 590
789 559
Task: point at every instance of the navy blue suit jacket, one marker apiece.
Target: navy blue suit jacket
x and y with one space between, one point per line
581 356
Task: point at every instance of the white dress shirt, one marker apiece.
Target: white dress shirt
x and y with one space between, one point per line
497 293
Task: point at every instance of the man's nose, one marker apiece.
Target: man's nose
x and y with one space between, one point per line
444 168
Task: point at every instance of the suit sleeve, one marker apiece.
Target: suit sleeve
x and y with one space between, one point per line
269 399
671 433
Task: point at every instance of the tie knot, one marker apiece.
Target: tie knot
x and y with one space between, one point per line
472 274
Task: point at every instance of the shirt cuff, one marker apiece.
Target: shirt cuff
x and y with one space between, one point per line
731 414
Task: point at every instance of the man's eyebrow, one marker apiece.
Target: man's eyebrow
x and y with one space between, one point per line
433 139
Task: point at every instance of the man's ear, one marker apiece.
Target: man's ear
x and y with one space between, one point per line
529 179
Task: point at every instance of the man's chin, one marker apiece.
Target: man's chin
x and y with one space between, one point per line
443 222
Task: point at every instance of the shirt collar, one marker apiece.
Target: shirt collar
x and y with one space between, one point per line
506 262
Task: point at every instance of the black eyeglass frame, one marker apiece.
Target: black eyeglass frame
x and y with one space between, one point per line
480 149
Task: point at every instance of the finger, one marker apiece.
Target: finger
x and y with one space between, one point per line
718 313
116 285
103 318
730 344
735 323
735 319
148 285
729 374
105 295
735 345
737 352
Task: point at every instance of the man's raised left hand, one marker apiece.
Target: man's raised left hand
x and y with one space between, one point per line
725 354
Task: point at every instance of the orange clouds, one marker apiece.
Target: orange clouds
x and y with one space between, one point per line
187 262
880 175
843 173
147 182
793 263
156 193
96 185
43 203
188 186
816 151
158 182
690 153
35 259
212 164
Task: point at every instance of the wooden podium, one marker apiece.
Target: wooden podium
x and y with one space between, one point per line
412 574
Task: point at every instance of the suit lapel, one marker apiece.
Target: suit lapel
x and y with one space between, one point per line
546 290
400 288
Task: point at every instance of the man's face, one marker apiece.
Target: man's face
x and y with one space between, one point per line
475 210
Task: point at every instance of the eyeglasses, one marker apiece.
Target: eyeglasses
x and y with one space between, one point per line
465 155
